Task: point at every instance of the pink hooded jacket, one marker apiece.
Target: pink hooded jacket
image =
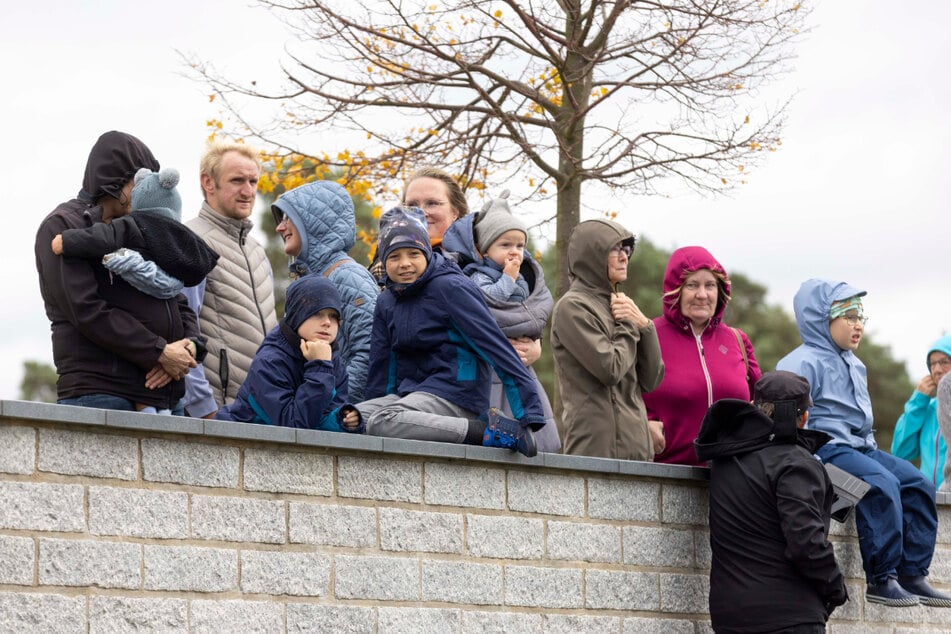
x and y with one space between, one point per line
699 370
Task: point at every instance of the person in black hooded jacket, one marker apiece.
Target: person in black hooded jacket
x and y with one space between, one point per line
113 346
773 568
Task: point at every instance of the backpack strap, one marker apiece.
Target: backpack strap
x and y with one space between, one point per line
333 266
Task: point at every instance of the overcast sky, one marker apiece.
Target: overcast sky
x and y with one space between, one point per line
859 190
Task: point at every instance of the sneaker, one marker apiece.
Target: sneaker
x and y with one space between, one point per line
927 595
890 593
508 433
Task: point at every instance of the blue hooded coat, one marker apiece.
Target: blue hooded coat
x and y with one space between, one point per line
842 407
917 434
437 336
283 388
322 213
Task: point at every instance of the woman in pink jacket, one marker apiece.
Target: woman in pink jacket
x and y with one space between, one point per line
705 359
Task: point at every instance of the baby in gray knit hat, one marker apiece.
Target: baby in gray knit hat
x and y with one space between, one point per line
500 238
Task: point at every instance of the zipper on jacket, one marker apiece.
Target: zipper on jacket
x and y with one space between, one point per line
703 366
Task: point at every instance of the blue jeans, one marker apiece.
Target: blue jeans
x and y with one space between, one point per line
108 401
897 520
100 401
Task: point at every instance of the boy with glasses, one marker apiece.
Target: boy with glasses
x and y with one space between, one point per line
897 520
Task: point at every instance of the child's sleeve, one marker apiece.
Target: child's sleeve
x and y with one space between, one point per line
469 314
96 241
381 372
274 393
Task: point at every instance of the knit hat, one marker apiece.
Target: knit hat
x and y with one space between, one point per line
155 192
306 297
404 227
495 219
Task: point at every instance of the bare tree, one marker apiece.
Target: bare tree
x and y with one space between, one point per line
554 93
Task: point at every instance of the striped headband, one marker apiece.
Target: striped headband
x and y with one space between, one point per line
843 306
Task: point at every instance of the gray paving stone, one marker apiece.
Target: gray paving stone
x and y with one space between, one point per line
501 623
577 624
249 431
84 453
17 449
379 479
189 463
618 590
285 573
215 617
16 560
615 499
283 471
320 619
138 513
462 582
638 625
505 537
685 505
418 531
30 410
410 620
659 547
534 586
578 541
234 519
46 613
546 493
42 506
376 578
190 568
684 593
332 525
73 562
464 485
154 422
126 614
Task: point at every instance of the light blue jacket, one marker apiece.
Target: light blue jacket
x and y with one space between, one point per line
841 404
324 217
917 434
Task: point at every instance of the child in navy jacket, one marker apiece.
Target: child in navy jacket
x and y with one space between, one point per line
296 378
433 347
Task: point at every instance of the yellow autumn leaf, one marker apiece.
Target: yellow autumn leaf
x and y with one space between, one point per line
498 13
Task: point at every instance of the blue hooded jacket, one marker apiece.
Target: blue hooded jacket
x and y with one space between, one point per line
283 388
436 335
322 213
917 434
839 387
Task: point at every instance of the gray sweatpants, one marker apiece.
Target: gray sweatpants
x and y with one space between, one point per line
944 424
418 416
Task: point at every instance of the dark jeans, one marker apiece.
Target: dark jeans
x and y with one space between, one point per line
897 520
100 401
108 401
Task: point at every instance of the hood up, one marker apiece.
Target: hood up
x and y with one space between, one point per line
113 162
683 262
588 251
323 215
733 427
812 304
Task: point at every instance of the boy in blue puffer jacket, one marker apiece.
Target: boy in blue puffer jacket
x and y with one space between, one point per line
434 344
297 379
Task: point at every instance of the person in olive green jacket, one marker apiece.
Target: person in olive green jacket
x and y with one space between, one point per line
605 349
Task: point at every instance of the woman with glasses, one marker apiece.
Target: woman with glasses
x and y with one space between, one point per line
916 433
605 350
705 360
441 200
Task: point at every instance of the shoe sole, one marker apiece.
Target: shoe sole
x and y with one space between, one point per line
934 602
893 603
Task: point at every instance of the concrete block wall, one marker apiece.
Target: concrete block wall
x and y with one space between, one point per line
114 521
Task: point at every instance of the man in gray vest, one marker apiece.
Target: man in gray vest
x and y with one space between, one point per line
235 303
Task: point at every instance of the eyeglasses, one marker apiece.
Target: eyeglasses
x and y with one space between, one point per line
616 251
426 204
855 320
944 363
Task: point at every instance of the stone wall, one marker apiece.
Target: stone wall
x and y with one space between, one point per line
114 521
